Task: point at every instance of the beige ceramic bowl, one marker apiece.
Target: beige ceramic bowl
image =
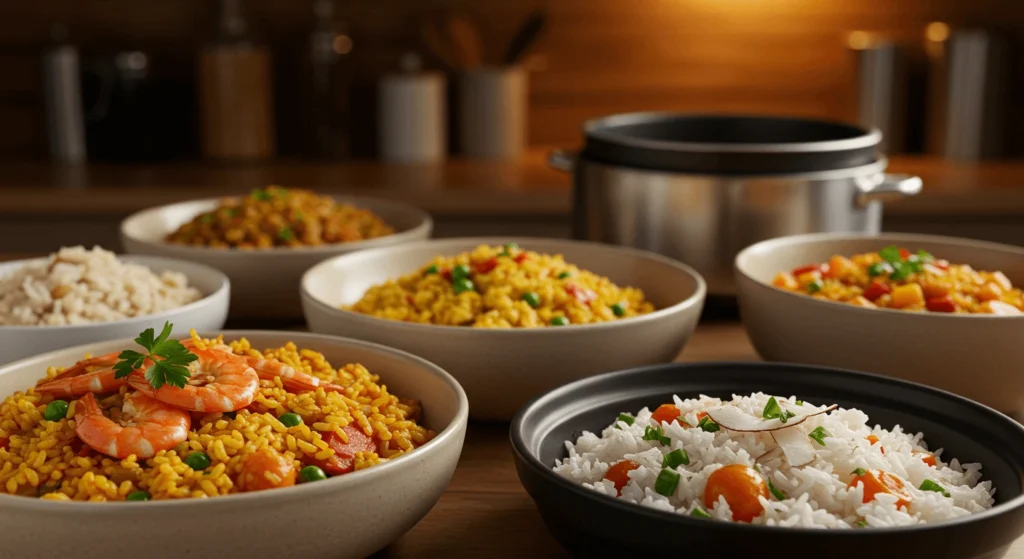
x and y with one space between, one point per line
208 313
501 369
351 516
977 356
264 283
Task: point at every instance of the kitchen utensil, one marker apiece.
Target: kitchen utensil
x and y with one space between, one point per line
381 503
700 188
62 93
977 356
882 92
264 282
589 524
464 34
524 38
412 114
492 105
502 368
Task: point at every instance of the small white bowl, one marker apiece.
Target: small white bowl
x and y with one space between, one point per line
503 368
350 516
974 355
208 313
264 282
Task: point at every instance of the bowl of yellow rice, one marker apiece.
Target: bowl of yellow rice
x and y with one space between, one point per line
940 311
510 318
265 240
59 490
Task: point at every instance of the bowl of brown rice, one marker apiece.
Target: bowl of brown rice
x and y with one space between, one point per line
78 295
59 496
261 243
510 318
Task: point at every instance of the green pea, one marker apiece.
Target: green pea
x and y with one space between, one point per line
531 299
814 286
56 410
619 309
138 496
197 461
462 285
461 271
511 246
560 321
432 269
290 419
564 274
312 473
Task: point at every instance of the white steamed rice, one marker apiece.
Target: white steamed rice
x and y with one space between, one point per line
817 495
79 286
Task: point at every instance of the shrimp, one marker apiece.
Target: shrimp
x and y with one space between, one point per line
266 469
220 381
106 361
146 426
100 382
292 379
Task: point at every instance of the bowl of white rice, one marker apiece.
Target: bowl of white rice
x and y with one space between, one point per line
77 295
744 459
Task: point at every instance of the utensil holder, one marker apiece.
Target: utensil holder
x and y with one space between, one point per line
492 112
413 118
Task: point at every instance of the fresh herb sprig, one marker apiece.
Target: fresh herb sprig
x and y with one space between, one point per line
773 411
168 359
707 424
818 434
902 267
775 491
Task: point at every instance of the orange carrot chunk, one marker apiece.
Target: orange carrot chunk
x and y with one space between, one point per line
740 485
619 473
665 413
877 481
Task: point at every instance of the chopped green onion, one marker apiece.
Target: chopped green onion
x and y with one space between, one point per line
878 268
814 286
757 468
531 299
799 402
206 218
667 482
432 269
564 274
859 472
461 271
819 433
925 256
773 411
137 496
560 321
676 458
776 492
699 513
286 233
462 285
619 309
655 434
929 485
707 424
56 410
261 194
626 418
511 246
231 212
861 524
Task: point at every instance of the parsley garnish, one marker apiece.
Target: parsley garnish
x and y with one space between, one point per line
168 359
819 434
625 418
903 267
655 434
776 492
929 485
859 472
773 411
707 424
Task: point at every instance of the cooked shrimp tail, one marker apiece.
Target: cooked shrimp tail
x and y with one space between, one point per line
146 426
99 382
292 379
220 382
82 367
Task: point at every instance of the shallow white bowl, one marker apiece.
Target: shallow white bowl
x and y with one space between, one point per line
977 356
502 369
208 313
264 282
348 516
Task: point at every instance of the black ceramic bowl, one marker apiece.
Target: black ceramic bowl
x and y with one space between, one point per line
592 525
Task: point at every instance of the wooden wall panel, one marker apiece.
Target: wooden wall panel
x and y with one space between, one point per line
599 56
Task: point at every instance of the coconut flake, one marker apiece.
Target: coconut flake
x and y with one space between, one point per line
796 445
735 419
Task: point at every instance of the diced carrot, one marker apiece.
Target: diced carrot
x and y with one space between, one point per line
876 290
344 453
927 458
873 440
520 257
486 266
266 469
806 269
741 486
859 301
907 295
990 292
904 253
1000 308
933 290
941 264
808 277
941 304
619 473
840 266
785 281
665 413
1002 280
877 481
581 294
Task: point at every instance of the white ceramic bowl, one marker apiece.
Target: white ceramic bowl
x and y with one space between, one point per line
208 313
977 356
348 516
502 369
264 282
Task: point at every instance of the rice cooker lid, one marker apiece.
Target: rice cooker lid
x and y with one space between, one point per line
728 144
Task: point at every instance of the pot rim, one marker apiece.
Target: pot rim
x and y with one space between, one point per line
878 166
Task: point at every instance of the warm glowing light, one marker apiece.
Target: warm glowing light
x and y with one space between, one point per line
936 31
859 40
342 44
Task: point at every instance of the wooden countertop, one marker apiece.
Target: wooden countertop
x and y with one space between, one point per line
457 188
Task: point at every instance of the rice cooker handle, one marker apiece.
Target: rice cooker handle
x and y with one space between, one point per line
563 160
886 187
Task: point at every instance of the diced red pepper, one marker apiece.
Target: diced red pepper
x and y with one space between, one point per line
940 304
826 272
941 264
876 290
446 273
797 272
582 294
520 257
904 253
343 460
486 266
